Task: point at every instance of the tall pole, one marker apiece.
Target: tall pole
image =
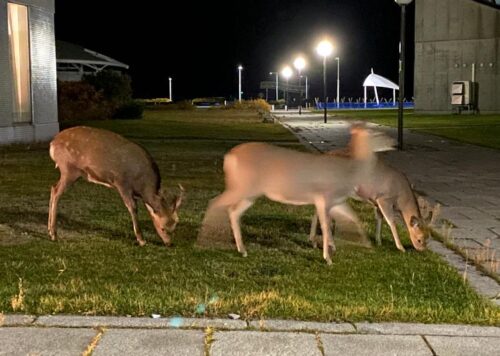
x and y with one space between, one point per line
170 88
300 94
307 89
277 93
239 82
324 88
286 95
338 82
401 76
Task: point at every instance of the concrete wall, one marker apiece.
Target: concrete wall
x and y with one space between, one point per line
44 123
451 35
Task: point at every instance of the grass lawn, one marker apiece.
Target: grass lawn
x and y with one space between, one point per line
483 130
97 269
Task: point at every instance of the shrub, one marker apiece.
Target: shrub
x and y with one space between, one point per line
81 101
115 87
130 110
211 101
258 105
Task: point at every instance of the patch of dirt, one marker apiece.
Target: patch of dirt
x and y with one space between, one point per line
11 237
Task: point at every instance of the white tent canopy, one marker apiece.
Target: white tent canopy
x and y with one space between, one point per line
375 80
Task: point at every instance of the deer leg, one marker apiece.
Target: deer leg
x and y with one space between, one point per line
235 212
131 205
312 234
378 217
346 211
68 177
324 220
388 212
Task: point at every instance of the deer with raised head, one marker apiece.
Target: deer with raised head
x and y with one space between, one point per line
391 194
106 158
291 177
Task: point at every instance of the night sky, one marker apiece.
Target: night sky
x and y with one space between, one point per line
200 44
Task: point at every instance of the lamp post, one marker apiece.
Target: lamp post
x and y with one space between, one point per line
300 64
170 88
324 49
338 81
402 4
277 75
240 68
287 73
307 89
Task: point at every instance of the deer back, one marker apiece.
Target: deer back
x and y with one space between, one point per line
107 158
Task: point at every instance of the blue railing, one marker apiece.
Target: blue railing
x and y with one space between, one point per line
354 105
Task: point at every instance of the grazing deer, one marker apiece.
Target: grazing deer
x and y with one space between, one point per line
106 158
291 177
390 192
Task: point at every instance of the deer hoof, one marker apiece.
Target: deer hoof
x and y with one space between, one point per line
53 236
328 261
244 254
141 242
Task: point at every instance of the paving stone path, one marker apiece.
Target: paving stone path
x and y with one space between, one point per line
463 178
77 335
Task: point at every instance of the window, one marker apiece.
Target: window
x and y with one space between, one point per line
18 28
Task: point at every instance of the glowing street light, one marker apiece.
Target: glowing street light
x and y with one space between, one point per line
287 73
403 4
324 49
240 68
277 75
300 64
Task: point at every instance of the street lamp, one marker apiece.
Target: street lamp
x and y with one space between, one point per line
240 68
307 88
287 73
402 4
277 74
300 64
324 49
338 81
170 88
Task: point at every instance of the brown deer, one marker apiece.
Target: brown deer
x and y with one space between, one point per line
390 192
299 178
106 158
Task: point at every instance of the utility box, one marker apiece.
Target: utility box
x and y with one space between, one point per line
464 96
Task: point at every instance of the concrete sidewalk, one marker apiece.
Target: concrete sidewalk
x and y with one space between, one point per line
463 178
77 335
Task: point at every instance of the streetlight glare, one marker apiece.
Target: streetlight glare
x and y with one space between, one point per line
240 67
403 2
299 63
287 72
324 48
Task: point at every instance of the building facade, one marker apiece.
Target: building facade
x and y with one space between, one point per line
28 84
456 40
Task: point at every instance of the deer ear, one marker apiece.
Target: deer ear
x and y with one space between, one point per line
150 209
414 222
176 202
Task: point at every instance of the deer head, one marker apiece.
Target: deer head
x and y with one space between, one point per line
164 213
